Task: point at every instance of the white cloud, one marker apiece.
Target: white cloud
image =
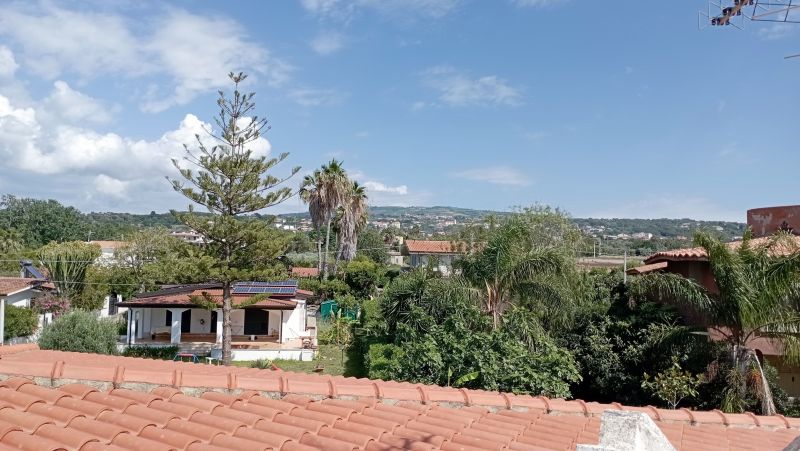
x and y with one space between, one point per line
497 175
458 89
381 188
194 52
776 31
110 186
327 42
344 10
309 97
67 149
537 3
8 65
73 106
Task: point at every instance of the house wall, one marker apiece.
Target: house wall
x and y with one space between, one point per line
294 321
767 221
788 375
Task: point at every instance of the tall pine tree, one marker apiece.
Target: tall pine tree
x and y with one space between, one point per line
230 181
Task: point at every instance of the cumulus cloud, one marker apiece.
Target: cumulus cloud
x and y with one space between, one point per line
381 188
194 52
8 65
73 106
64 148
110 186
776 31
327 42
497 175
458 89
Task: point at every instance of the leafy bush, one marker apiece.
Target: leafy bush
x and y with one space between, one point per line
151 352
262 364
80 331
20 322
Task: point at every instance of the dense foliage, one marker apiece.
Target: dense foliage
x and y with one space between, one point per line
80 331
19 322
151 352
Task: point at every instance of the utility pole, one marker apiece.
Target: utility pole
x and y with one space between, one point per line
625 268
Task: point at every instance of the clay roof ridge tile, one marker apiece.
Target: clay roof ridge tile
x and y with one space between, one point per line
692 419
119 375
378 390
58 369
546 402
465 393
332 391
423 394
283 384
783 418
582 403
177 378
656 413
722 415
755 418
232 381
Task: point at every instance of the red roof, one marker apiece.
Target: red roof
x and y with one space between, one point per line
305 272
9 285
179 299
699 254
644 269
92 402
434 247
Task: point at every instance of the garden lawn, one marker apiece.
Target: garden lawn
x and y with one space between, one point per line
329 356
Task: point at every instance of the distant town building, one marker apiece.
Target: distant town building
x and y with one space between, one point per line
191 237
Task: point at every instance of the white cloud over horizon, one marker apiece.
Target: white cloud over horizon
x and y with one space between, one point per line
458 89
55 41
327 42
666 205
496 175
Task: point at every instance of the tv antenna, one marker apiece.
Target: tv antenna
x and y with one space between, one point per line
738 12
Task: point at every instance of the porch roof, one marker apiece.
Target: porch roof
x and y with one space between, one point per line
182 297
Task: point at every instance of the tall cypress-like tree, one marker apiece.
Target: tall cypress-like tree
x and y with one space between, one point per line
230 181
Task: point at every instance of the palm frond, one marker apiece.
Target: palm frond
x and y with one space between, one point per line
669 288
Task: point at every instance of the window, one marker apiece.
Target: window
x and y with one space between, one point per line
168 318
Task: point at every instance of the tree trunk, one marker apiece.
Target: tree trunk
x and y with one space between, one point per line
327 246
319 252
226 323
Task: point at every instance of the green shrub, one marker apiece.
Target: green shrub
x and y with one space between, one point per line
20 322
262 364
80 331
151 352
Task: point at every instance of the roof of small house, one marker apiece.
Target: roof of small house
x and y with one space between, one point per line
192 295
11 285
780 248
434 247
64 400
305 272
109 244
644 269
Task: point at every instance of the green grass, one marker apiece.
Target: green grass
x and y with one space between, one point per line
329 356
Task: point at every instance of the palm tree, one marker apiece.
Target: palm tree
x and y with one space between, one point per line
517 267
756 294
311 192
353 219
334 185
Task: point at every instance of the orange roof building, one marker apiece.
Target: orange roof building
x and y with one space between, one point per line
51 400
269 319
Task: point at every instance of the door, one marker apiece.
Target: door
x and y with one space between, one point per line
186 321
256 322
213 322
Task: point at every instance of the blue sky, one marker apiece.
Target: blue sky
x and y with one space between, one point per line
614 109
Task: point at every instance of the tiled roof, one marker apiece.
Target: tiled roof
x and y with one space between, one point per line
10 285
305 272
434 247
109 244
180 299
699 254
91 402
644 269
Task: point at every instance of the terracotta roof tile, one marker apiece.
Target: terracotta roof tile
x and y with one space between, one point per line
698 253
10 285
434 247
297 412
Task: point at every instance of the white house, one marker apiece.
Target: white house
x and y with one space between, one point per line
19 291
444 253
275 321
